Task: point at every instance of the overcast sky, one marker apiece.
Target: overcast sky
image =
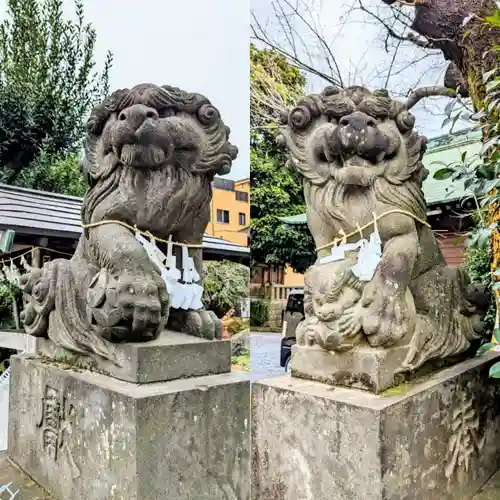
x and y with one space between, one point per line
197 45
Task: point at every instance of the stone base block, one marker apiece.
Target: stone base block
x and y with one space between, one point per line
86 436
19 482
171 356
363 367
438 439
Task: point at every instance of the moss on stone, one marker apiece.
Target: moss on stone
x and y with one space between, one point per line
397 390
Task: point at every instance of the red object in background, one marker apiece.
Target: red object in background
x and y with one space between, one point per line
453 248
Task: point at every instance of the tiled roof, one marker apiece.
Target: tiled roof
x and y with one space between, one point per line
294 219
448 149
28 211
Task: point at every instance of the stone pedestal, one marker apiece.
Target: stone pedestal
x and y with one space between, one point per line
83 435
437 439
171 356
362 367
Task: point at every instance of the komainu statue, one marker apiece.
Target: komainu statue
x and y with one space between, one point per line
380 289
151 154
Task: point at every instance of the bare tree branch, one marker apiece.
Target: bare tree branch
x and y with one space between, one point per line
297 34
423 92
260 34
331 60
288 13
270 96
410 37
389 71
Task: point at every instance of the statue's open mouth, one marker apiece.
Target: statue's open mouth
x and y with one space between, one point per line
346 147
340 159
356 171
138 155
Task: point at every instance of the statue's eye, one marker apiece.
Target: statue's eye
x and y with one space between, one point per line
166 112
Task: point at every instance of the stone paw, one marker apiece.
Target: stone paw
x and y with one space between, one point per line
200 323
134 309
387 318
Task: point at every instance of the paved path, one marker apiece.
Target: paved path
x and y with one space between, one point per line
265 355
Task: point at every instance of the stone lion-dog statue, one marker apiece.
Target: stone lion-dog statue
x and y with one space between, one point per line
361 164
151 153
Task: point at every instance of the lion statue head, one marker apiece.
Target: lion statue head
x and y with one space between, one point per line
345 142
154 143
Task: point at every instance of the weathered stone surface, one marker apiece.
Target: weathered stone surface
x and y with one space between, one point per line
240 343
380 278
28 489
363 367
491 490
169 357
150 155
438 439
86 436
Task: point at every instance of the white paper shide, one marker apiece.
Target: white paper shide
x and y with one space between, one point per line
183 287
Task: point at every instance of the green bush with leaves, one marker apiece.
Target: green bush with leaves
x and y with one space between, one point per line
481 177
477 265
276 190
225 285
259 312
57 174
48 85
8 293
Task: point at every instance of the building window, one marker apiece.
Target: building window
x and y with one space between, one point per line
225 184
241 196
222 216
242 219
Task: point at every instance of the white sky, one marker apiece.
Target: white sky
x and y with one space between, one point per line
197 45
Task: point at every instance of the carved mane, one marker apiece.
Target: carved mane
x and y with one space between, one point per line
105 175
401 189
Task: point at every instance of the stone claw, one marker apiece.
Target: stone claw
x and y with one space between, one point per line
135 308
386 317
200 323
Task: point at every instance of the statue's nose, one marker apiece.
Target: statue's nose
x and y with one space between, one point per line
137 114
357 121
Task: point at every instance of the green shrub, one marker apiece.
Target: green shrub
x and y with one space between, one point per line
259 312
242 361
225 285
237 325
7 291
477 265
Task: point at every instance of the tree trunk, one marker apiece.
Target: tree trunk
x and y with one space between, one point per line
457 28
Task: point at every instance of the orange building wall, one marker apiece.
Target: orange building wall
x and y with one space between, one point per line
226 200
292 278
